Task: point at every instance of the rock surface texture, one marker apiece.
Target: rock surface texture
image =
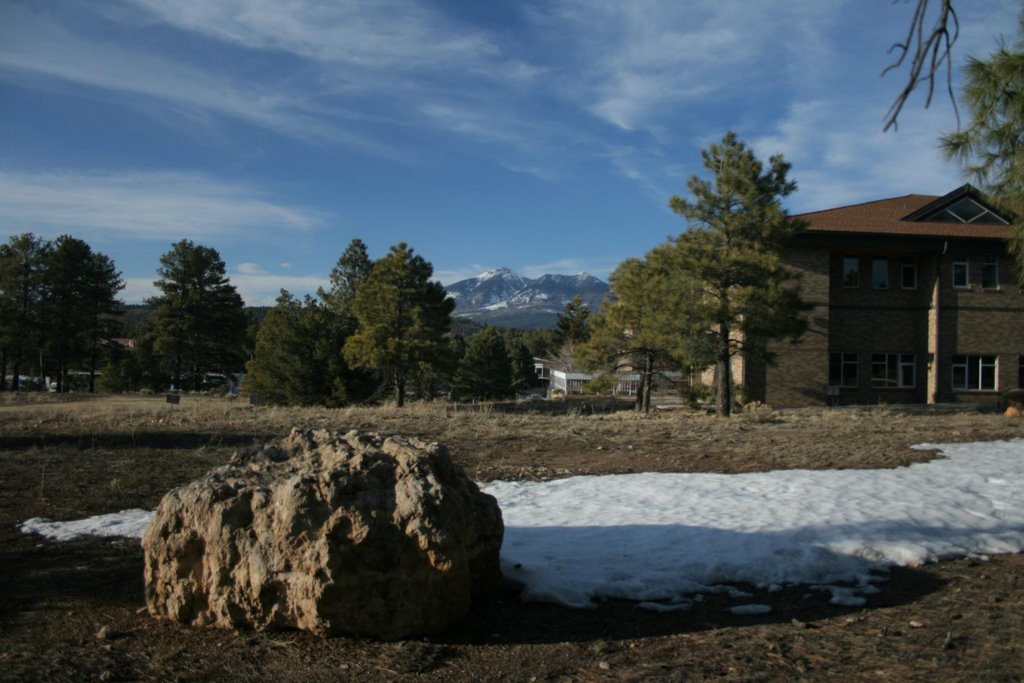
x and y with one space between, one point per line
331 533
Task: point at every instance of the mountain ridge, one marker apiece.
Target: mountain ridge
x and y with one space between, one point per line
503 298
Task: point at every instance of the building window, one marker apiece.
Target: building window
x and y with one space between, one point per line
974 373
842 369
990 272
851 271
880 273
908 272
961 272
892 370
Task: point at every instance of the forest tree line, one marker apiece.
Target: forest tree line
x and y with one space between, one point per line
383 328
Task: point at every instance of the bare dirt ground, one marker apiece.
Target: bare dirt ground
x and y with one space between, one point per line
75 611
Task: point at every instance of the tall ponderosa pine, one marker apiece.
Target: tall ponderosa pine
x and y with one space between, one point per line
80 302
484 372
403 318
22 290
726 281
991 148
629 333
199 318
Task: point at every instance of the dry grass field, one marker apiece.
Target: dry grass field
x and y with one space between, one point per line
75 611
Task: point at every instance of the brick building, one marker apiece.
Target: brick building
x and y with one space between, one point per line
914 300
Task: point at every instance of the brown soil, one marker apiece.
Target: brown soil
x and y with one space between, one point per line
74 611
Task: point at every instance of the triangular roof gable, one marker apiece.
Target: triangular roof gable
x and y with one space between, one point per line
965 204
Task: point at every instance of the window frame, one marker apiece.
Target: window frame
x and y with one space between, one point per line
908 264
894 368
884 262
850 277
843 361
976 365
990 266
962 262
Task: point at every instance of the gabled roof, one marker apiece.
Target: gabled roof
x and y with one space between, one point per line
916 214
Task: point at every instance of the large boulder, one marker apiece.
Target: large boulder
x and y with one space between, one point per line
332 533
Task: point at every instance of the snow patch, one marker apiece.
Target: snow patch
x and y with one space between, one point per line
662 539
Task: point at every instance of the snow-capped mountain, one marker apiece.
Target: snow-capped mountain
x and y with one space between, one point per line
504 298
486 289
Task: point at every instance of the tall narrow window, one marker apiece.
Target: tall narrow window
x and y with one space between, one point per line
974 373
842 369
851 271
990 272
880 273
961 271
908 272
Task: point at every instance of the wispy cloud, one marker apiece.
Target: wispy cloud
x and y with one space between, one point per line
635 61
568 266
145 205
262 288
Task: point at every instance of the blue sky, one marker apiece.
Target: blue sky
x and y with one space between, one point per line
542 135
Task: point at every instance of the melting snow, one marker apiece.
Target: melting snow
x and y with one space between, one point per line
659 539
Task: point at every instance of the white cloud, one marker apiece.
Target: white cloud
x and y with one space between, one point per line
568 266
256 289
379 34
250 269
448 276
145 205
634 62
33 44
841 156
262 289
137 290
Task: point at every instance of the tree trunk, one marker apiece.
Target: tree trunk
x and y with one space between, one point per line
649 381
3 370
723 374
640 390
400 391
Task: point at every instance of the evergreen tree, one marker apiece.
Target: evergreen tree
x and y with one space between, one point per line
991 148
80 301
403 318
726 282
289 365
22 289
199 318
629 333
353 267
339 323
573 322
485 372
524 375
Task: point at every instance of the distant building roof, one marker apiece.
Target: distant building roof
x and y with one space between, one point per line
964 212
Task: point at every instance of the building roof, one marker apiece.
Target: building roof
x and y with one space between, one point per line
912 215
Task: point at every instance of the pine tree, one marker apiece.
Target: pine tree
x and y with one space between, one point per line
573 322
726 282
339 323
485 372
199 319
403 317
22 289
991 148
80 301
629 333
524 374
